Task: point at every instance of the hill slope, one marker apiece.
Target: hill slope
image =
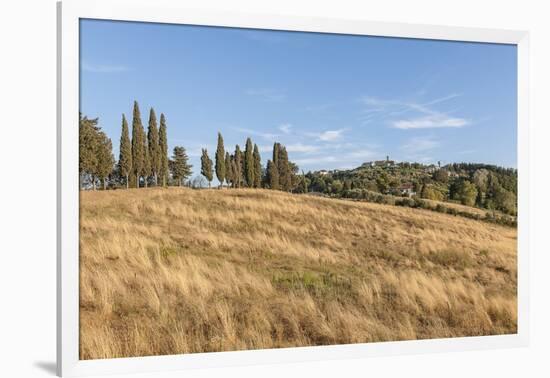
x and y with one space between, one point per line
167 271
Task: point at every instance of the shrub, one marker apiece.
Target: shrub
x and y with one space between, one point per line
440 208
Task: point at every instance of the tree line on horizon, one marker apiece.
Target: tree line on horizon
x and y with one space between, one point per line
143 160
243 169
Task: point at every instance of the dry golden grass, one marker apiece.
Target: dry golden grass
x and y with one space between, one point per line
166 271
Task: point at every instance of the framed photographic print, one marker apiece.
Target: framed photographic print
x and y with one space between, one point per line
244 188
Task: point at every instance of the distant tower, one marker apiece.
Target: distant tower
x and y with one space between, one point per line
439 164
387 158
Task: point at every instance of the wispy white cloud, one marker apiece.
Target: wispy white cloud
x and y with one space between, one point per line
331 135
328 135
430 122
353 156
266 149
442 99
422 115
329 161
317 160
285 128
266 94
304 148
103 68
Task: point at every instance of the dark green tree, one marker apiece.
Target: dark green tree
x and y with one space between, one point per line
181 169
257 167
146 162
505 201
238 167
347 184
272 175
429 191
304 183
234 172
154 146
276 148
105 158
228 169
220 160
88 142
466 193
479 197
318 184
336 187
206 166
125 155
284 169
138 143
163 151
441 175
96 159
249 163
294 179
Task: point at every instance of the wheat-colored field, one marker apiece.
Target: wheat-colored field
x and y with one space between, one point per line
167 271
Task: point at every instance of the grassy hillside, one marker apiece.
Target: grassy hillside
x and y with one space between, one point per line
167 271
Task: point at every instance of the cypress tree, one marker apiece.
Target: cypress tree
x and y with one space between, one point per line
206 166
284 169
272 175
146 161
138 152
87 143
125 156
220 160
105 158
249 163
276 148
234 171
163 151
228 169
181 169
238 167
153 145
257 167
242 176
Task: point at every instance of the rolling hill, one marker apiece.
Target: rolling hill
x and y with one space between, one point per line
176 270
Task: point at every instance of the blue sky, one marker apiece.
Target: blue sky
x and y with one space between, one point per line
335 101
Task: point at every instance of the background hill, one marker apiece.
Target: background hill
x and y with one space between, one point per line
481 185
177 270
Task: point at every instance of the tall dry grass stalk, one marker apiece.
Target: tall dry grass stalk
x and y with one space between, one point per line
166 271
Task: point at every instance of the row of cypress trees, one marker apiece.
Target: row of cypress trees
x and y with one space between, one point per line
145 155
144 158
244 168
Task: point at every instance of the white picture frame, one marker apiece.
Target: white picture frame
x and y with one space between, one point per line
69 14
